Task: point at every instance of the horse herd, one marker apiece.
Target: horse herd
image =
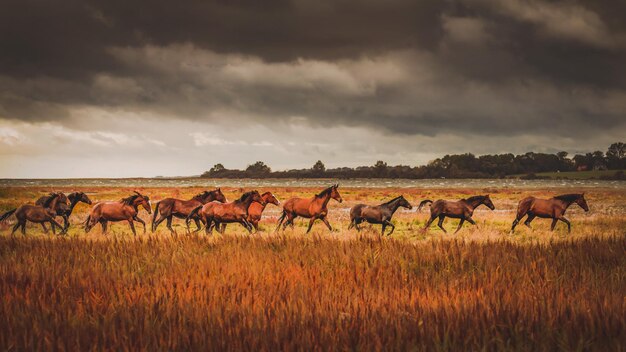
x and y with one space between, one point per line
211 210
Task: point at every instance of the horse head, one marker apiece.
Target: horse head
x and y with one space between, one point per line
582 202
142 200
269 198
79 197
402 202
217 195
487 201
334 193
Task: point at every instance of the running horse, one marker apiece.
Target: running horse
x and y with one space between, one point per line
462 209
553 208
379 214
123 210
255 211
37 213
172 207
65 212
311 208
215 213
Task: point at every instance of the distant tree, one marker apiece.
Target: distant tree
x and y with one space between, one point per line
258 168
616 156
318 168
381 168
217 168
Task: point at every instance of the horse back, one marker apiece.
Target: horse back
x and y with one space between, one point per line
31 213
299 206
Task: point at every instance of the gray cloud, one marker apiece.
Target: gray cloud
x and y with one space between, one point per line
402 69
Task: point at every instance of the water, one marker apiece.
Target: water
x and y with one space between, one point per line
266 183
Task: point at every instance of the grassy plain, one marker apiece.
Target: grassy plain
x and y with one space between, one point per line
480 289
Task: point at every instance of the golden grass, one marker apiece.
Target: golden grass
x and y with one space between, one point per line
480 289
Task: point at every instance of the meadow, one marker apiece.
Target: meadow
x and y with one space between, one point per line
481 289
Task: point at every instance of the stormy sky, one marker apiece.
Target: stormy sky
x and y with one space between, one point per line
144 88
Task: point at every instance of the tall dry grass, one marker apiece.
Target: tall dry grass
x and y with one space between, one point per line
311 293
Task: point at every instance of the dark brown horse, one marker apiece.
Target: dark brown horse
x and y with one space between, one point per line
36 213
553 208
379 214
65 211
255 211
172 207
214 213
463 209
123 210
311 208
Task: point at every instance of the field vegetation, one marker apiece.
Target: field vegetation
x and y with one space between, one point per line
482 289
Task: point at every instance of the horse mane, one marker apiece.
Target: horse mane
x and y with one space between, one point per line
570 197
473 198
129 200
393 200
324 192
200 195
246 195
49 199
266 193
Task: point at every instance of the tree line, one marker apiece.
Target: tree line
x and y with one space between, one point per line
450 166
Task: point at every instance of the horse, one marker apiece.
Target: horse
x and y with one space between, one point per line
73 198
255 211
553 208
36 213
312 208
379 214
172 207
215 213
125 209
463 209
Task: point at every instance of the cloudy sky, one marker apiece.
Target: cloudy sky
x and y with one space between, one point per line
137 88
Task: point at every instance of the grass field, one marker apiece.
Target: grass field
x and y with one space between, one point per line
480 289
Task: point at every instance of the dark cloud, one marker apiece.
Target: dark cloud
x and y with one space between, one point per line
406 67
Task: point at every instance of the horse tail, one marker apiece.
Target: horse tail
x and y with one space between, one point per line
7 214
193 213
424 202
156 213
281 219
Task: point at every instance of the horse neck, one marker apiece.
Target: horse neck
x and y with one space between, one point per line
566 203
73 202
246 202
325 199
393 205
474 202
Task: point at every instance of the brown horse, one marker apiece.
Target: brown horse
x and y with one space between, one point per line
255 211
125 209
172 207
36 213
214 213
463 209
312 208
553 208
62 211
379 214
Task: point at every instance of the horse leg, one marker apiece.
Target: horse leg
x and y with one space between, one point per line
310 224
553 224
290 218
255 224
208 227
393 227
104 224
430 221
440 223
158 222
17 225
198 226
569 226
138 219
66 223
530 218
327 223
460 224
169 224
132 226
24 228
356 225
54 223
516 221
43 226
